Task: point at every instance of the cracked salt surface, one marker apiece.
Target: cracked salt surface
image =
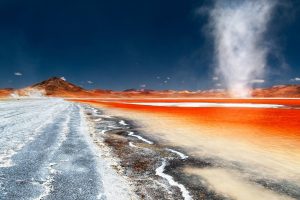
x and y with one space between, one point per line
28 121
48 154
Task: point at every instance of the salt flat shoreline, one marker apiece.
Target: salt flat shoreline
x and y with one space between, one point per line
134 154
144 162
185 138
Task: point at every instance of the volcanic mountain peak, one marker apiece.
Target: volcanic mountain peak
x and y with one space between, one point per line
56 84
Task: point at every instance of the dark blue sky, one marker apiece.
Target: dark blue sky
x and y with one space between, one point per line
120 44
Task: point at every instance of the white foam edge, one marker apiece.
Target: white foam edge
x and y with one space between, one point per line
130 133
160 172
181 155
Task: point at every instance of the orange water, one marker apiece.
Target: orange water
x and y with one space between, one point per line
265 127
266 141
272 123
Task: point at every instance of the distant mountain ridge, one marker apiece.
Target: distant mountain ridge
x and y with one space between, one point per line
59 87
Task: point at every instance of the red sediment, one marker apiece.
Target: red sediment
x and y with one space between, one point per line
268 122
211 100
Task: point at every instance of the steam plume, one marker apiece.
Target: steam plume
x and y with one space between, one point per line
239 27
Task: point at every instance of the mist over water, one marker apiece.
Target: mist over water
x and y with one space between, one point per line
239 31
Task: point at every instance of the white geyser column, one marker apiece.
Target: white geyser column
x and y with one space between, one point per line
238 28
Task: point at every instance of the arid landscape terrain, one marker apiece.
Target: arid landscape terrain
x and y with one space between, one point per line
150 100
153 144
57 87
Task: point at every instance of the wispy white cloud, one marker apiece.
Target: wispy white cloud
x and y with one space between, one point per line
90 82
143 85
295 79
215 78
258 81
18 74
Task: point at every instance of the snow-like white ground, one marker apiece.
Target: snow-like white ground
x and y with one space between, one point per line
46 153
